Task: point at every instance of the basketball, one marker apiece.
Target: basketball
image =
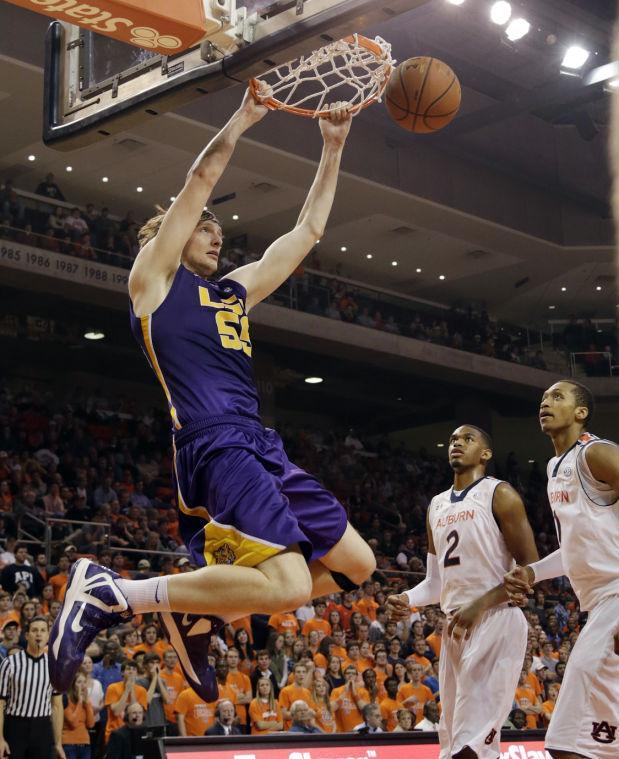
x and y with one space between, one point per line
423 95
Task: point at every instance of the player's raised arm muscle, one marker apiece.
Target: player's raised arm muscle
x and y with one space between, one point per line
603 461
282 257
513 522
161 255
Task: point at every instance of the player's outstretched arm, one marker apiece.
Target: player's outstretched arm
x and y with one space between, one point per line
162 254
511 516
428 591
285 255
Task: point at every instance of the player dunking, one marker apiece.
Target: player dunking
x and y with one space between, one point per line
475 531
583 490
241 501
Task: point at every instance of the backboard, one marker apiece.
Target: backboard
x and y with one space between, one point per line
96 86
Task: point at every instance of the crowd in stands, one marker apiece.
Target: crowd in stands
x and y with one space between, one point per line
336 665
92 234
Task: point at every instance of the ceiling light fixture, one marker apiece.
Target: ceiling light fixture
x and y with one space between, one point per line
32 157
551 308
598 288
343 249
441 276
517 29
69 169
94 334
575 58
172 198
564 289
369 255
440 445
105 179
418 270
313 380
139 189
501 12
235 217
394 263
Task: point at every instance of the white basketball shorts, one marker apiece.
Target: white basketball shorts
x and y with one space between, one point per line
478 679
586 716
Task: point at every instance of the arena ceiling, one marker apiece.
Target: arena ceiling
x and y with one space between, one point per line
523 127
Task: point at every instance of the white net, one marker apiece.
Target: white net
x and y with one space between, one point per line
354 70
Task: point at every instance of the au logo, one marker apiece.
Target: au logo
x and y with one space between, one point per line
567 472
603 732
146 36
224 554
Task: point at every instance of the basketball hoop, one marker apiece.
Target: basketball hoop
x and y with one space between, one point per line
354 70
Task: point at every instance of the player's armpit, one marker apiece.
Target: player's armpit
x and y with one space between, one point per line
280 260
511 516
603 461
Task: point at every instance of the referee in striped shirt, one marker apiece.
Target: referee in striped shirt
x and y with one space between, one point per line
31 715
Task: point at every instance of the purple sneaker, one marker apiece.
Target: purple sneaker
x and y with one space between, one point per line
92 603
190 636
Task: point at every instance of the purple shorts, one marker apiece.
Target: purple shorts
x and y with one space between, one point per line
241 500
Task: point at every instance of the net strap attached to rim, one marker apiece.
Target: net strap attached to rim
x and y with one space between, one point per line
354 69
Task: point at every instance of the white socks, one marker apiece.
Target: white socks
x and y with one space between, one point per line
146 596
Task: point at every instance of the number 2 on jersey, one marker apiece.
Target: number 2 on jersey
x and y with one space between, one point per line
452 561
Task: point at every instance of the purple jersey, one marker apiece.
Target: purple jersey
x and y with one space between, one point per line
197 343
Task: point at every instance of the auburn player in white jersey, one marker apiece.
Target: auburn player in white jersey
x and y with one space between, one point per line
475 531
583 490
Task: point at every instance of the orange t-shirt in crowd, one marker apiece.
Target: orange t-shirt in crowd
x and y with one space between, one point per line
434 640
259 711
382 674
525 696
325 719
199 715
345 614
175 685
112 696
389 708
78 719
58 582
534 682
129 651
240 683
339 651
421 692
425 663
283 622
159 647
348 716
359 664
291 693
548 708
320 660
368 606
316 623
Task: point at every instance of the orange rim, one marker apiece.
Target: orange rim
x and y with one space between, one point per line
277 105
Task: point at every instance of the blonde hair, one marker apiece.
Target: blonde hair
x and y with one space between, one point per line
150 229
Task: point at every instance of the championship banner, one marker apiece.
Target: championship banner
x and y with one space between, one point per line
162 26
49 263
